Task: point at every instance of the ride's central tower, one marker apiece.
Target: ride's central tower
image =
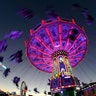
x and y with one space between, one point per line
61 64
62 77
56 46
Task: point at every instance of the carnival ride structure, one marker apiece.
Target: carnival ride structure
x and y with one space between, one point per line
23 89
56 46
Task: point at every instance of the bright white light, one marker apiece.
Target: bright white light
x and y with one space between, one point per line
3 65
77 88
67 77
61 92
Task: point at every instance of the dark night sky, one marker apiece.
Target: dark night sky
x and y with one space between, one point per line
9 20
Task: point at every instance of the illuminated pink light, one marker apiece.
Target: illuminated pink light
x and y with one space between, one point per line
49 34
67 41
77 47
43 63
74 41
66 44
39 50
38 39
41 41
47 60
60 35
73 64
39 63
31 32
74 54
38 56
43 21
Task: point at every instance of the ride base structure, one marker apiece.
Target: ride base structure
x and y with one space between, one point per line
56 46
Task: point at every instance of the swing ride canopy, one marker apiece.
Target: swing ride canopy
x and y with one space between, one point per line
52 36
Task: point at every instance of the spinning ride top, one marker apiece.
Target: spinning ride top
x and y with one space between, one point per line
56 46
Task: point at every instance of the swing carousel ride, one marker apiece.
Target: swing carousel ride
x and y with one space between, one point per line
56 46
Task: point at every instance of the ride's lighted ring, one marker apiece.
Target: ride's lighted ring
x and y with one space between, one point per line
59 52
51 36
